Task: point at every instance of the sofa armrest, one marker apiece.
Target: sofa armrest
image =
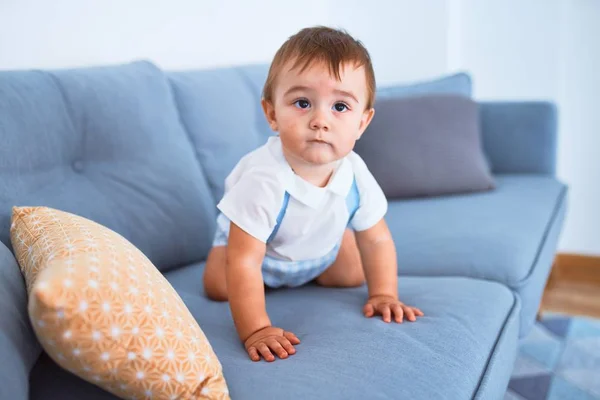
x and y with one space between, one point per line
520 137
19 347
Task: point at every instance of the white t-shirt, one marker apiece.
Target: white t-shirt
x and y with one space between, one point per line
315 218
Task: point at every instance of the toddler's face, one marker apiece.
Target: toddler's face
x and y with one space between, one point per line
318 117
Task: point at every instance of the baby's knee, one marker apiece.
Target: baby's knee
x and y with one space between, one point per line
350 279
215 285
216 295
216 292
354 280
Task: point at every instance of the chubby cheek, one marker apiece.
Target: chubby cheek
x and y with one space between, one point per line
293 131
287 119
346 135
344 146
288 126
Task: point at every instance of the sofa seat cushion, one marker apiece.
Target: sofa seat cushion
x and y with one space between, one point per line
508 235
494 235
463 347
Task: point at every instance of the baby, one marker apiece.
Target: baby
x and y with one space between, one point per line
304 207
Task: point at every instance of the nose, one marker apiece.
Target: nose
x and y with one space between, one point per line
319 121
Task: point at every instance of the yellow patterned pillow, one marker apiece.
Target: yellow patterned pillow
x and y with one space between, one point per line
102 311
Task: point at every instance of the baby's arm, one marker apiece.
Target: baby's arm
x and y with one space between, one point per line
244 282
246 294
378 255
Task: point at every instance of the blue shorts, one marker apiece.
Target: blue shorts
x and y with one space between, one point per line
277 272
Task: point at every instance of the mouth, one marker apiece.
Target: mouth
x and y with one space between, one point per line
317 141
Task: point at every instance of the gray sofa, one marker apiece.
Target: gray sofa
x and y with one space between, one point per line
145 153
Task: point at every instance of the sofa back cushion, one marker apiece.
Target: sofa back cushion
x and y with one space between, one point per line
459 84
220 108
105 143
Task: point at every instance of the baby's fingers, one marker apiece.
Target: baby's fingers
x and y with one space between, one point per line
265 352
398 313
253 353
410 314
285 343
291 337
277 348
418 312
386 313
368 310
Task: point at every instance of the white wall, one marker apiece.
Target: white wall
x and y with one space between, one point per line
543 49
174 34
407 42
406 39
579 145
510 47
535 49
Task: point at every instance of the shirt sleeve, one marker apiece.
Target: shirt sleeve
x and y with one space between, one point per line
373 203
253 202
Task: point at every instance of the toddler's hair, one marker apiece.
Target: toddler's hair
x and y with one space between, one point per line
333 47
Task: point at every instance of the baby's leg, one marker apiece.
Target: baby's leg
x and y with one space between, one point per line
215 284
346 271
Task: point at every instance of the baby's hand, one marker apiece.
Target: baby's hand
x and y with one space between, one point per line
270 339
388 305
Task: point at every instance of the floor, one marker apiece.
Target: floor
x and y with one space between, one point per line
560 358
574 286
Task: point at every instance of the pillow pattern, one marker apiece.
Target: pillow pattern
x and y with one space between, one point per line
102 311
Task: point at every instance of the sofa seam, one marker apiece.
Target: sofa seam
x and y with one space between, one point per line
499 338
555 212
188 136
69 112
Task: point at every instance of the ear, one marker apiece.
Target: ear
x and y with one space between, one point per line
269 111
365 120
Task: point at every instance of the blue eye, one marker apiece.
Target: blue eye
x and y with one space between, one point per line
302 103
340 107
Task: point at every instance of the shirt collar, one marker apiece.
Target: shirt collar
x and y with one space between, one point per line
303 191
